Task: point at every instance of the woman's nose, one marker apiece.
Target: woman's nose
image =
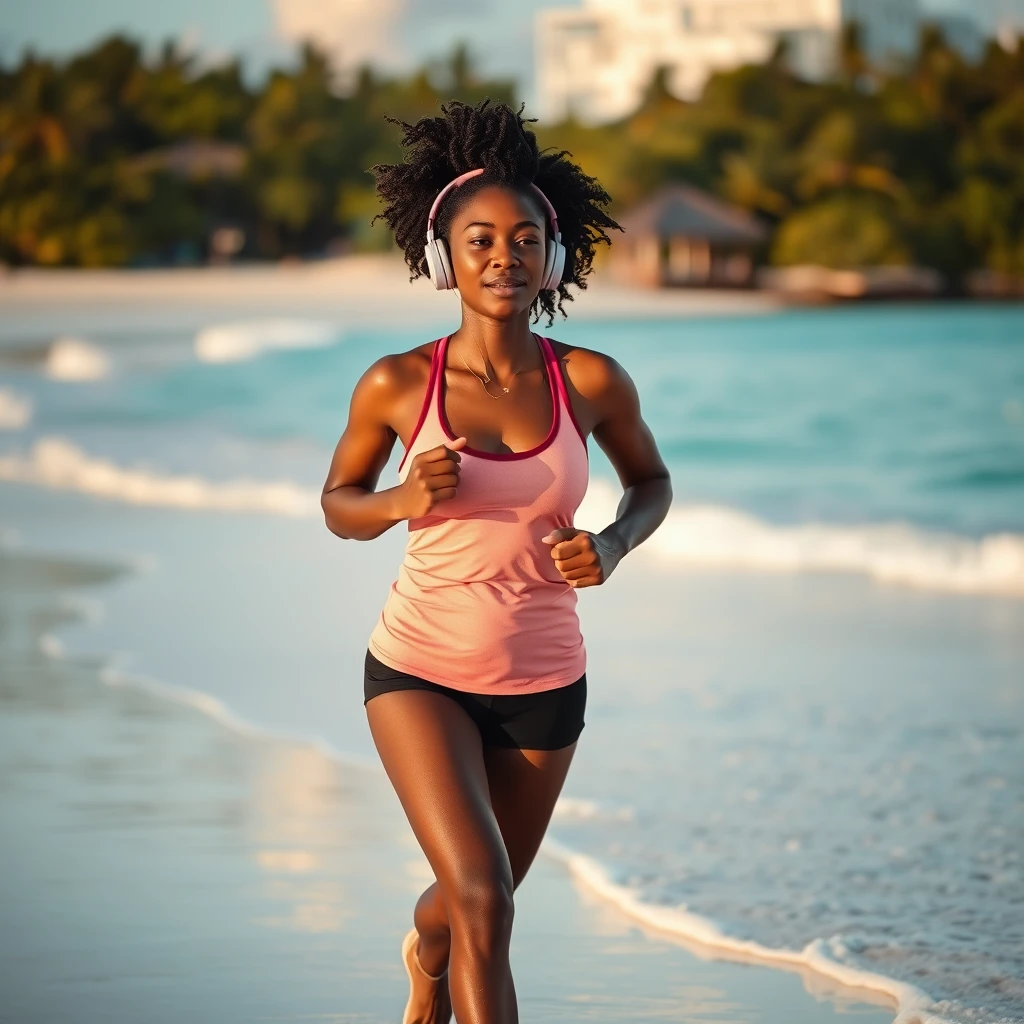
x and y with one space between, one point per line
504 256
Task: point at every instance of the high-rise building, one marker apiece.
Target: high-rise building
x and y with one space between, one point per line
594 61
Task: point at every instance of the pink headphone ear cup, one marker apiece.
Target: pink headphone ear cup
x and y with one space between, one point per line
554 266
549 264
446 263
439 268
430 258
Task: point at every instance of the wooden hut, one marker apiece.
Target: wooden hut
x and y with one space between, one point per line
683 237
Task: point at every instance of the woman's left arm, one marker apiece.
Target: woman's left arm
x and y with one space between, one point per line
587 559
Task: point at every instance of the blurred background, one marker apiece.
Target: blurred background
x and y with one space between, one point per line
853 134
800 791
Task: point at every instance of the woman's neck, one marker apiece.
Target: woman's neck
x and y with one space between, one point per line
508 346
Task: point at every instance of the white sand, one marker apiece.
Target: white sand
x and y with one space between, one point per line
357 286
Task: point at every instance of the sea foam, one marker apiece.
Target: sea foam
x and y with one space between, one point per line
896 553
913 1005
73 359
60 465
701 536
236 342
15 410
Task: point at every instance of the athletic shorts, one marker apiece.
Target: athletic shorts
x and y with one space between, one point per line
526 721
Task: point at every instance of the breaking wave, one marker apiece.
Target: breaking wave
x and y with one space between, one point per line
15 410
704 536
73 359
894 553
236 342
60 465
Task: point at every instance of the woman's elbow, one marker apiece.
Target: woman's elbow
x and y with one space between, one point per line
332 520
337 529
346 531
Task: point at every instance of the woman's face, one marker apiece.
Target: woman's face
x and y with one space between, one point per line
497 242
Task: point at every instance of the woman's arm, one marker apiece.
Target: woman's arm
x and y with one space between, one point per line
585 559
353 508
626 439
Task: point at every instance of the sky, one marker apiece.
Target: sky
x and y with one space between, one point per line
393 33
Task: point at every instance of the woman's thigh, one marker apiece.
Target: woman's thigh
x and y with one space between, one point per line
524 786
432 752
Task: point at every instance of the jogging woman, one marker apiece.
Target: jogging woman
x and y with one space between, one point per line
475 681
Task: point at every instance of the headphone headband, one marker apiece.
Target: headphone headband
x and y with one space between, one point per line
462 179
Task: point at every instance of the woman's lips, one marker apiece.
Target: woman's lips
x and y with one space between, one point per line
506 286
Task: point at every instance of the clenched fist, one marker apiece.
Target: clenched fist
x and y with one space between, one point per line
433 477
583 559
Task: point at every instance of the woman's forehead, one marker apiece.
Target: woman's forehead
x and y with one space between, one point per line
499 204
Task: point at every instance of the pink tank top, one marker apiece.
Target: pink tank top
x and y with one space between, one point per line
478 604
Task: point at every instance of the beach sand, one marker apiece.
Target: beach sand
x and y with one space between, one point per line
351 290
156 865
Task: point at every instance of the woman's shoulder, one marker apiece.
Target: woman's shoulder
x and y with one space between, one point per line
593 374
391 389
398 372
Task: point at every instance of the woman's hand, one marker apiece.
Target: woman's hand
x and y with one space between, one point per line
433 477
583 559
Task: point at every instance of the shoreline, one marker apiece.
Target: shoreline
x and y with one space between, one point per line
353 285
701 938
698 935
362 280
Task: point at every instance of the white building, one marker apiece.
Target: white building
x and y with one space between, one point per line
596 60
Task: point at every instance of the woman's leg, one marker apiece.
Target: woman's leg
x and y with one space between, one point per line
523 786
432 752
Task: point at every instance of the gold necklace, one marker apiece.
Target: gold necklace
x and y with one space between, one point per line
485 380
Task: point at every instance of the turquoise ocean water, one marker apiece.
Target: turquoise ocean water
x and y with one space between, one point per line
807 711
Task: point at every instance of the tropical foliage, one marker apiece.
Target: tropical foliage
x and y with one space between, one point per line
110 158
115 158
924 166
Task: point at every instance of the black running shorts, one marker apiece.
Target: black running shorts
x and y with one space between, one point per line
547 720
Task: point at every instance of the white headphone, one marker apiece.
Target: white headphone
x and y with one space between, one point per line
439 264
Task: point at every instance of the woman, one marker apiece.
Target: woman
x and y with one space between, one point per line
475 681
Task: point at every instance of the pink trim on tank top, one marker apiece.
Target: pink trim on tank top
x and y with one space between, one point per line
563 391
553 371
502 456
425 408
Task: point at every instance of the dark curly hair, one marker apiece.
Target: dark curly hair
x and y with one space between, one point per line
495 137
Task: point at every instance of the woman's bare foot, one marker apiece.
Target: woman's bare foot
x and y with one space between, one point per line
429 1001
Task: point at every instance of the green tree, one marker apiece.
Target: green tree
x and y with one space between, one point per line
843 231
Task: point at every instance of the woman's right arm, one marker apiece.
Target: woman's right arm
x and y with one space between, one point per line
353 508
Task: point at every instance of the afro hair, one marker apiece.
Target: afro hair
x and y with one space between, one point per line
494 137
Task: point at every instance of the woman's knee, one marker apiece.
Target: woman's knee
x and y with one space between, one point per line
480 901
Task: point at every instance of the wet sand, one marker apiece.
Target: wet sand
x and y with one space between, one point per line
156 865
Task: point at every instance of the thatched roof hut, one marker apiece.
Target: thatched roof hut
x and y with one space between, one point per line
683 236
